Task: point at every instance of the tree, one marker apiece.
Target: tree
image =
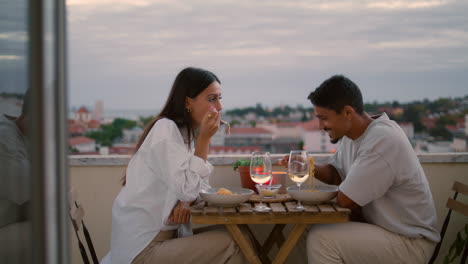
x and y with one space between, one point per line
395 104
234 122
145 120
413 113
109 133
440 133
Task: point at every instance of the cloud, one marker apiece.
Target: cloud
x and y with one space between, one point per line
407 4
139 3
260 45
445 39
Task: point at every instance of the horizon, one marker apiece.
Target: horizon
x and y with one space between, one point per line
71 107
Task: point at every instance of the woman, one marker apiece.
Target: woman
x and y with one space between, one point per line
150 216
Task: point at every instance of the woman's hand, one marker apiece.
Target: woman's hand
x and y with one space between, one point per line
210 123
181 213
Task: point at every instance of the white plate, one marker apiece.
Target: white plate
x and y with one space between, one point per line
241 196
321 194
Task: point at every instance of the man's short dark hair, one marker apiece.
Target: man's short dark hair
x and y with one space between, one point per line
337 92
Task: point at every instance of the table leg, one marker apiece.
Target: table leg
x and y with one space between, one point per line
276 235
291 241
243 243
257 247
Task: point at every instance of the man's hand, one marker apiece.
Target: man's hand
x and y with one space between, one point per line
284 161
181 213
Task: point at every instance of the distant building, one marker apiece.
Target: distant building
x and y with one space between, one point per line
82 122
82 144
251 116
249 136
121 150
82 115
286 136
219 137
439 146
315 139
75 130
98 112
460 144
392 111
295 116
233 150
131 135
429 122
466 125
93 125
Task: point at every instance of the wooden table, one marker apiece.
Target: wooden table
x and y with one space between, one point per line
237 218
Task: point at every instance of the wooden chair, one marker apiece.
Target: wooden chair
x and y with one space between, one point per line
458 207
76 215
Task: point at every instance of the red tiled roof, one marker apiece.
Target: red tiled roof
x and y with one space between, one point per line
121 150
82 110
94 124
461 123
224 149
429 122
311 125
451 127
75 128
79 140
249 130
288 124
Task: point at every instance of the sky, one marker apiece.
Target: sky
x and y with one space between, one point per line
274 52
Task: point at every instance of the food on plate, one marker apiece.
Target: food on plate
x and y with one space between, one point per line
224 191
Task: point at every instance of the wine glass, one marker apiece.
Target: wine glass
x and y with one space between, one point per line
298 170
260 172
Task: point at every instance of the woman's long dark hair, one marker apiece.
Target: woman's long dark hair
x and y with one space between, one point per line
190 82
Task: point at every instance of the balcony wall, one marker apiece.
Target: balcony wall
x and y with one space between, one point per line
97 181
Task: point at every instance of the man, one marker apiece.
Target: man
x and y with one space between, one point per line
378 174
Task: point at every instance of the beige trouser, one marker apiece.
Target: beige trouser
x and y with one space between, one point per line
213 246
362 243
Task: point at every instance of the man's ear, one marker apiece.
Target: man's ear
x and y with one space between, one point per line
348 111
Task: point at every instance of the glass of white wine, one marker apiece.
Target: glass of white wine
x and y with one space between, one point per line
298 170
260 172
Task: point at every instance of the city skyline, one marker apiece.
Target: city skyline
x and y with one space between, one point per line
127 53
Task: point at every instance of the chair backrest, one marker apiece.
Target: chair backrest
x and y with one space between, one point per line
458 207
76 215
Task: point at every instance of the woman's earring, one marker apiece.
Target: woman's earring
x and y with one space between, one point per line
188 110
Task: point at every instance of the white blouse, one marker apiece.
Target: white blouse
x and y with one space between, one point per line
162 172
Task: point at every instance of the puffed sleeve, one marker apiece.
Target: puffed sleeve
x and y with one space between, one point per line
184 173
